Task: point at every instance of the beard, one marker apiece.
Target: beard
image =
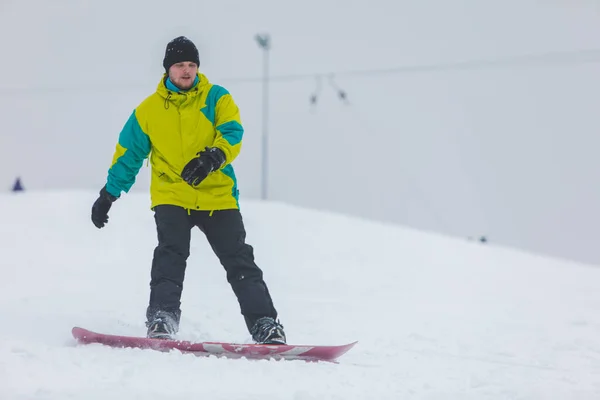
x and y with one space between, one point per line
184 83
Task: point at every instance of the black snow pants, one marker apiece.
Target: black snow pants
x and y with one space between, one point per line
225 232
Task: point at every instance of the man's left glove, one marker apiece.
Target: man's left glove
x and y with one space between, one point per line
101 207
209 160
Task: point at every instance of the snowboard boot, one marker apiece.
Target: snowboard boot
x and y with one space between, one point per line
268 331
162 326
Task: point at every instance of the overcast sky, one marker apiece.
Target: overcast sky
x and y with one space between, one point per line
485 123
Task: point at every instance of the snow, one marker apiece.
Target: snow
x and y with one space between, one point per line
436 317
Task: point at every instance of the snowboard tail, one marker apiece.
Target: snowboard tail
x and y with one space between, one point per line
221 349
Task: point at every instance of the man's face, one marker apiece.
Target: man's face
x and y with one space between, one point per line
183 74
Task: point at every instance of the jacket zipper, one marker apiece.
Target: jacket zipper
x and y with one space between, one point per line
180 109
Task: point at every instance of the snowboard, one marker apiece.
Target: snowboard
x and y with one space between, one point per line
219 349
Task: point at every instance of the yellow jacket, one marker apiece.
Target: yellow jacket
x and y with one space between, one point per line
171 127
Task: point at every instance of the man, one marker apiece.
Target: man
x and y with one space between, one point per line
191 131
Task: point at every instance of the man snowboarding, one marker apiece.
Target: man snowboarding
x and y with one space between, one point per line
191 131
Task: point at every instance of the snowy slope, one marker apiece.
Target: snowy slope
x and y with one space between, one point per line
436 318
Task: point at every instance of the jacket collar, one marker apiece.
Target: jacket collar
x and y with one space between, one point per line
171 93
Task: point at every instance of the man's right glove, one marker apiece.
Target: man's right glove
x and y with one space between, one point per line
101 207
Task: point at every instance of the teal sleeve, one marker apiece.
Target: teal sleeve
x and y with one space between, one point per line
132 148
232 131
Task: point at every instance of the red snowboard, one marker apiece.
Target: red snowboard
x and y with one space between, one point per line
230 350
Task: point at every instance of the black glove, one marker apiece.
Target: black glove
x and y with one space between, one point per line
101 207
209 160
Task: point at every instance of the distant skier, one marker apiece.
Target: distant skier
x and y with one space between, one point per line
18 186
191 131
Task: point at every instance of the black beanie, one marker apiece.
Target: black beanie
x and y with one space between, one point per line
178 50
